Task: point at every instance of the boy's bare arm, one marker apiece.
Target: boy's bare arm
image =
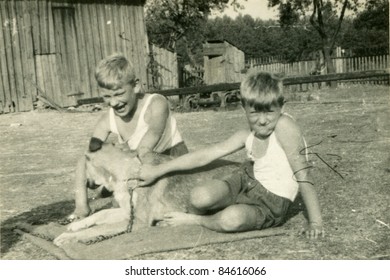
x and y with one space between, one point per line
195 159
156 117
291 139
310 198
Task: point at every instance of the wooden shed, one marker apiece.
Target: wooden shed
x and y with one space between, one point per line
51 47
223 62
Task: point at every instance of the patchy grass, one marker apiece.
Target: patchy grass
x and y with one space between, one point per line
348 129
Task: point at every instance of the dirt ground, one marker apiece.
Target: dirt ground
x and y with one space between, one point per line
348 130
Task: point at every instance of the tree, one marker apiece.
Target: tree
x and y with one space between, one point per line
264 38
171 21
375 16
325 16
372 25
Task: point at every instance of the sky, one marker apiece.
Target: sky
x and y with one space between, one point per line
254 8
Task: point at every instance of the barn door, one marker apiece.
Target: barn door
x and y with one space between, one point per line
66 54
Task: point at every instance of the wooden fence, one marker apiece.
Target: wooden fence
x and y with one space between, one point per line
223 93
298 68
341 64
365 63
191 76
162 69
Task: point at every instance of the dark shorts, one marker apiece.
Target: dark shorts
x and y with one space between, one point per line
271 209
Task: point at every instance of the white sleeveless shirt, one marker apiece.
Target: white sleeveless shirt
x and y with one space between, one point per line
170 137
273 170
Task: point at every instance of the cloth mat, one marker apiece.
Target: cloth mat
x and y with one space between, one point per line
140 242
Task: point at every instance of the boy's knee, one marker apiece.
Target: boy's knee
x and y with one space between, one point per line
211 195
233 220
201 198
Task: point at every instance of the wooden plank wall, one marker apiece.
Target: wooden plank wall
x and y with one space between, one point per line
37 56
164 67
234 64
214 73
103 28
16 57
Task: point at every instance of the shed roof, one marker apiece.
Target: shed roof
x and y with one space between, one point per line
221 41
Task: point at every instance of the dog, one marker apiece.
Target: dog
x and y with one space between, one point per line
116 169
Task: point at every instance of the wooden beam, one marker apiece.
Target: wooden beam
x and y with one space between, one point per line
90 100
335 77
178 91
235 86
199 89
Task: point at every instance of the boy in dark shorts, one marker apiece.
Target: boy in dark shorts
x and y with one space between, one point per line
259 195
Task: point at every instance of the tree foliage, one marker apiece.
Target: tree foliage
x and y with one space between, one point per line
170 23
325 16
183 26
375 16
170 20
368 32
259 38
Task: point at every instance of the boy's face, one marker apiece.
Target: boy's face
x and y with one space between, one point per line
123 99
263 123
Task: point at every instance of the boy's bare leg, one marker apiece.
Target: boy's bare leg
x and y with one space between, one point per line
234 218
81 193
212 196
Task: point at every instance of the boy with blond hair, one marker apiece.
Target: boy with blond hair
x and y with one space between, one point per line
142 122
259 195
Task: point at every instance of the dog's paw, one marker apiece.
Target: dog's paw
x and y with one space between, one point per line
76 226
65 238
70 219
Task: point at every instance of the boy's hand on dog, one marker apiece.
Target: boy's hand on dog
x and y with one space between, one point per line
147 174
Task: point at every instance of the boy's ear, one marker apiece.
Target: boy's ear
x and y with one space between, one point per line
137 87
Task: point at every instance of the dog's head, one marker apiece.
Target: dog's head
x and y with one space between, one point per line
110 165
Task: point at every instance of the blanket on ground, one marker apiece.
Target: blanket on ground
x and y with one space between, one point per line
137 243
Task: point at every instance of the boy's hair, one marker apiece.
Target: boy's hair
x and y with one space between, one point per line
262 90
115 71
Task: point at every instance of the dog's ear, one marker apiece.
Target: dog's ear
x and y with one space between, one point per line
95 144
91 184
